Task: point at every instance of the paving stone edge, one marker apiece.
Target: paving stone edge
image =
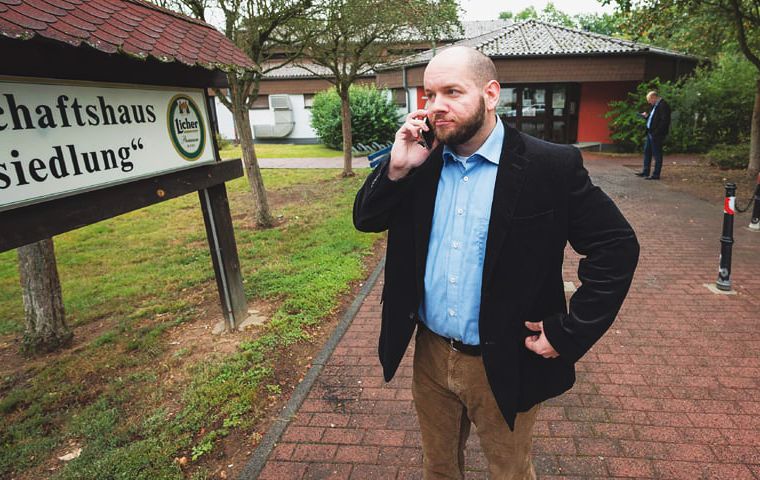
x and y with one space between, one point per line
261 454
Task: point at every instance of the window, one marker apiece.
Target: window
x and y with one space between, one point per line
507 105
308 100
261 103
547 111
558 101
533 102
399 97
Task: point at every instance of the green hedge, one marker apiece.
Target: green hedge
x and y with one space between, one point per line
729 156
374 117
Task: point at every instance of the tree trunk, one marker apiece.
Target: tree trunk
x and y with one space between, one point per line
754 136
46 328
345 112
262 215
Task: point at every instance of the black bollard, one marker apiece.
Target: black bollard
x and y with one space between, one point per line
727 239
754 224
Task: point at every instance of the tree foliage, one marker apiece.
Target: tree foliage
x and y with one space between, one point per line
374 117
352 38
260 29
703 28
605 24
707 27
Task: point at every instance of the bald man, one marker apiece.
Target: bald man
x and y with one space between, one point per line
477 228
658 125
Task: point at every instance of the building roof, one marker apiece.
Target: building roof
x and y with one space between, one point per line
303 70
131 27
469 29
531 38
476 28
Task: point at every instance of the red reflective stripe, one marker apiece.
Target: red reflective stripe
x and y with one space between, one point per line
728 205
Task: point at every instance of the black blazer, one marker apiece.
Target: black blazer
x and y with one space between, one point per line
543 198
660 125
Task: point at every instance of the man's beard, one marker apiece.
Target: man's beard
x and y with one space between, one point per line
465 130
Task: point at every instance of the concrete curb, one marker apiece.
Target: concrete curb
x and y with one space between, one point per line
261 454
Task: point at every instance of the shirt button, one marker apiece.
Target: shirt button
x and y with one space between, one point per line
453 279
460 211
452 312
466 178
455 244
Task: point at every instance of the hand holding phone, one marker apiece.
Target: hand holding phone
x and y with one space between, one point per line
427 137
406 153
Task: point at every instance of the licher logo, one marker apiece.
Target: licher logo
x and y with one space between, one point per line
186 128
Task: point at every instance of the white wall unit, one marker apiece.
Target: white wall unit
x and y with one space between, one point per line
301 115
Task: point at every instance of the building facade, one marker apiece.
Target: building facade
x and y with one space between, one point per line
282 112
556 82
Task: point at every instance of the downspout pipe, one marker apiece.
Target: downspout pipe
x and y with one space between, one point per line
406 89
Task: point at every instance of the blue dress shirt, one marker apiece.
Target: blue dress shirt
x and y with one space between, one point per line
651 114
454 268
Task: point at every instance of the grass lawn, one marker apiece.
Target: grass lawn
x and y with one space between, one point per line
145 383
266 150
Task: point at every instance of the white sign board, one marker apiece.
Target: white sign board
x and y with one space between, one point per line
57 139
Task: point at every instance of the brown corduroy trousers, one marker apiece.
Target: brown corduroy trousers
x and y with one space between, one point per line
450 392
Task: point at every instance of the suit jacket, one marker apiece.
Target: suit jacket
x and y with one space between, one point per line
543 198
660 121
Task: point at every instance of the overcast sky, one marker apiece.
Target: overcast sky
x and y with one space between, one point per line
489 9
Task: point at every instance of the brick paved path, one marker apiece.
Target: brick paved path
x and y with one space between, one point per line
671 391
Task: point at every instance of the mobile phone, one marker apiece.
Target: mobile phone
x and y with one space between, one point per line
427 137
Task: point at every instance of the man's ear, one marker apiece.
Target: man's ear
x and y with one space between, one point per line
491 94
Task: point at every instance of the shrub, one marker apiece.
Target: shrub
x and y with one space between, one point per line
222 142
627 127
727 157
374 117
711 107
714 106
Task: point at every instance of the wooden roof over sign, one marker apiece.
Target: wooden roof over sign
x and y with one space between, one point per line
130 27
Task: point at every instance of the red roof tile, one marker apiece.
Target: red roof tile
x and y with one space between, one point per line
87 7
132 27
103 6
29 25
86 17
51 8
132 16
143 37
32 12
65 26
78 23
7 25
61 4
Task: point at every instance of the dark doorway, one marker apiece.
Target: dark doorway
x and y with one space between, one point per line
546 111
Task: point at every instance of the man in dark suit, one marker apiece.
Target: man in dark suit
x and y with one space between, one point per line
477 228
658 125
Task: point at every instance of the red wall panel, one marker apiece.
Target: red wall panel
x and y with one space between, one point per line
421 100
595 97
